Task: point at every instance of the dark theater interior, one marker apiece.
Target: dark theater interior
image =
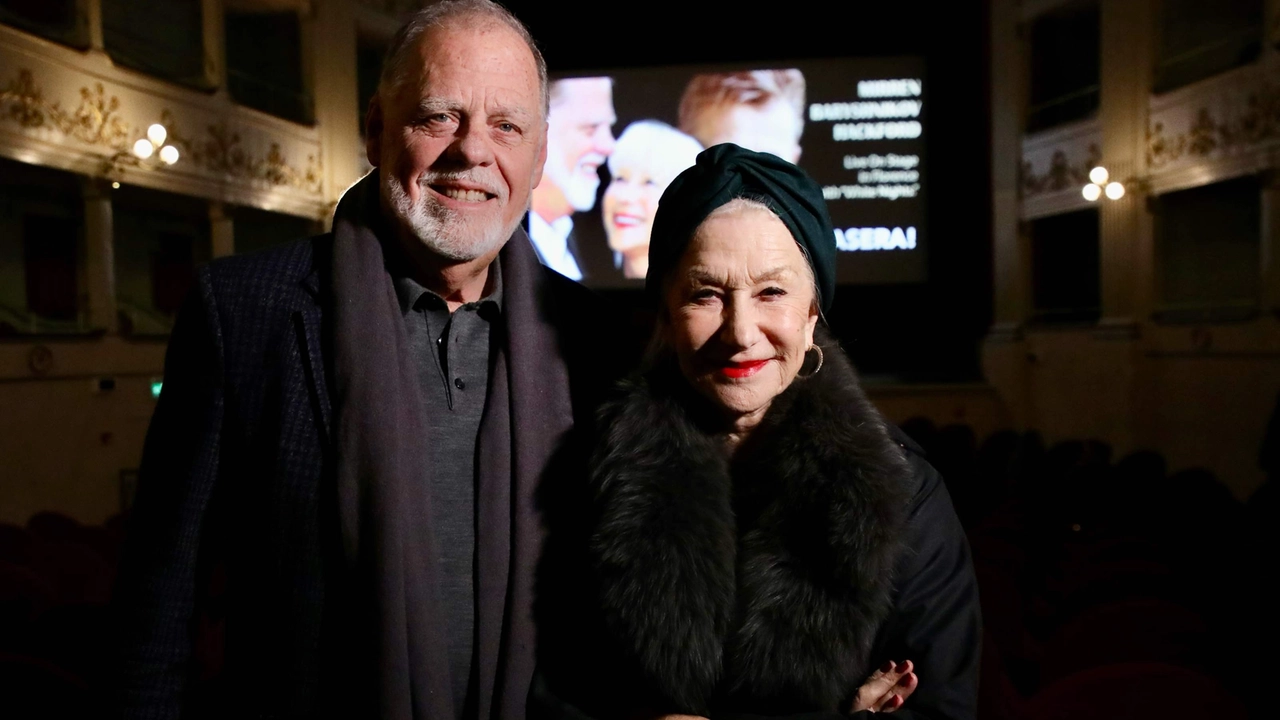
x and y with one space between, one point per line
1058 268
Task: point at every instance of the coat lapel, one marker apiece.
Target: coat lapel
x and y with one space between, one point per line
307 323
540 415
493 541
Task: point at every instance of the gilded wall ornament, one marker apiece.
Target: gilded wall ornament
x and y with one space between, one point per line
96 122
220 151
1162 149
40 359
1260 122
1060 175
1202 138
23 100
93 122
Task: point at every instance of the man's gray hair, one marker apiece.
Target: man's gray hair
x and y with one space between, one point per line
395 67
556 94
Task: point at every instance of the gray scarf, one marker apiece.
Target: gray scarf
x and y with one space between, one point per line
399 657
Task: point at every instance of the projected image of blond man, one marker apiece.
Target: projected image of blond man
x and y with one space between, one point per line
761 110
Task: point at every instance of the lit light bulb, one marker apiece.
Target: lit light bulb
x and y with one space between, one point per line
143 148
1099 176
169 154
1115 190
115 186
156 134
1092 192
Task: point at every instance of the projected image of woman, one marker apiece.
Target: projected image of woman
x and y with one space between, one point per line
647 157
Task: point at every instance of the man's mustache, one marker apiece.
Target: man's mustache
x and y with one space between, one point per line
474 181
594 159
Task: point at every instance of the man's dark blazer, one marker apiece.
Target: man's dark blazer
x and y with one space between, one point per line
227 588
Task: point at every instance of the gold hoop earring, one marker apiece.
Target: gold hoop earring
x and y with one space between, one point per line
820 360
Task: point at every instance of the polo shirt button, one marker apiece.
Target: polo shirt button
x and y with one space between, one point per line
457 382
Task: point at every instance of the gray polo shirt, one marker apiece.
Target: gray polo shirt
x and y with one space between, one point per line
452 353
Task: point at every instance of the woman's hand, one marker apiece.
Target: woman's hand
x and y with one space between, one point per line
885 691
887 688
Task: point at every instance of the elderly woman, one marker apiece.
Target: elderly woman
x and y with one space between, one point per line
761 540
647 157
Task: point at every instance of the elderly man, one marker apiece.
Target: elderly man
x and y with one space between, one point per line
579 140
336 509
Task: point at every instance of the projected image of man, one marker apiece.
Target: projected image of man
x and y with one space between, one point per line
761 110
579 140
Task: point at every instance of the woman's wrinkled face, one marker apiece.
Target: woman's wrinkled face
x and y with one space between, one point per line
742 309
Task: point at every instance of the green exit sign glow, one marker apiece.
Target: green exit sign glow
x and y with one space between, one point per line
155 388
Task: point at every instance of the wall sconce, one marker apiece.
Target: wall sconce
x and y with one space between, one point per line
153 144
148 151
1100 183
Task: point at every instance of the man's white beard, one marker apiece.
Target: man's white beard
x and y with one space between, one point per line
440 229
579 188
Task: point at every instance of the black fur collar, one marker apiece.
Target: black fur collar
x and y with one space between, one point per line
756 585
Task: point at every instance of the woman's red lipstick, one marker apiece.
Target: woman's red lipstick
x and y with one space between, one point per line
742 369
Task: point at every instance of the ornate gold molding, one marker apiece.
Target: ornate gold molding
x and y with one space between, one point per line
220 151
96 122
24 101
1259 122
1060 175
93 122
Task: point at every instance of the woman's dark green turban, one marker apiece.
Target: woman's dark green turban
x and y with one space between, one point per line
724 173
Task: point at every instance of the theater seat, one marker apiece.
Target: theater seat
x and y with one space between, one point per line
54 527
1136 691
31 688
16 545
24 595
78 574
998 698
1135 630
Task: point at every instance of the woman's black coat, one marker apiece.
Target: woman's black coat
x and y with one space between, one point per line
678 581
